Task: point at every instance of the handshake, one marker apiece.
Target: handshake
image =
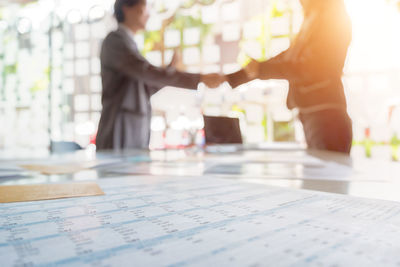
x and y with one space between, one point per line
214 80
252 70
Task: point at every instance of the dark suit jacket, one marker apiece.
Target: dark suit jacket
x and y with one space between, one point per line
313 64
129 81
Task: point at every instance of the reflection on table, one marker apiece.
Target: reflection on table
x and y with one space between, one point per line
291 166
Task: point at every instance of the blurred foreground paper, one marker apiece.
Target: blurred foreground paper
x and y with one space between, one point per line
58 169
21 193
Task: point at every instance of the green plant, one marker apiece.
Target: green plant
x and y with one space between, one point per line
150 40
10 69
394 144
42 83
276 12
181 22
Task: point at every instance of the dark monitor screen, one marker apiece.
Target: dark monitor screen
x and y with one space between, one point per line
222 130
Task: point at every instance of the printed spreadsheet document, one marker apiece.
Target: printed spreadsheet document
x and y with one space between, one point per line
203 221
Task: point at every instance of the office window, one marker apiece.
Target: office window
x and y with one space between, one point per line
81 103
211 54
191 36
172 38
231 32
191 56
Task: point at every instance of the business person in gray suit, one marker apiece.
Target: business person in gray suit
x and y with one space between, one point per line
129 81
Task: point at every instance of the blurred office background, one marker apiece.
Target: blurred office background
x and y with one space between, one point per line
50 85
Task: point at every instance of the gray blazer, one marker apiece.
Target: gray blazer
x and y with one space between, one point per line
129 81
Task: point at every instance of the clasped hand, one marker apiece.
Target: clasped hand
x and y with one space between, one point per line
213 80
252 69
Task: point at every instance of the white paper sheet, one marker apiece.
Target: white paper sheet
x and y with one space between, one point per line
62 166
11 174
329 171
276 157
159 168
161 221
279 166
11 170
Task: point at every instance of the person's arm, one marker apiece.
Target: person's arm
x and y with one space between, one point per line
132 64
238 78
275 68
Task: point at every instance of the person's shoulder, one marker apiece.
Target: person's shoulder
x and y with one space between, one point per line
112 37
112 42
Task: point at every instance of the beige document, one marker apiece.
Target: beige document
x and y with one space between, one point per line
21 193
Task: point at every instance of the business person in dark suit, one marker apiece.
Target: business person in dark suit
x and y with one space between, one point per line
129 81
313 65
